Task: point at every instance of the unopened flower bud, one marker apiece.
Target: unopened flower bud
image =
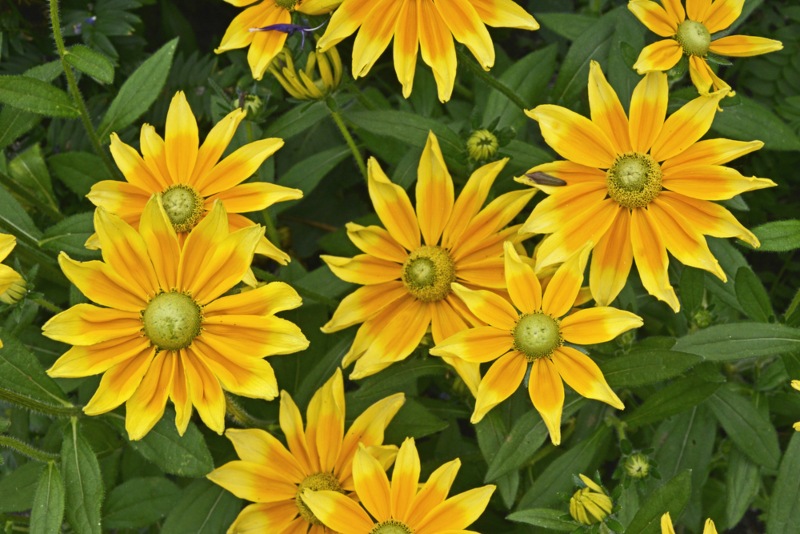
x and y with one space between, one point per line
637 465
482 145
321 75
590 505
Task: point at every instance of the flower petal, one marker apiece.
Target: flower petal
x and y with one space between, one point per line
674 9
239 373
264 517
238 166
703 77
84 324
708 218
562 291
470 200
100 284
181 139
132 166
393 207
364 303
405 477
523 285
698 9
468 29
434 191
547 394
254 196
81 361
238 34
584 376
573 136
686 126
711 152
654 17
337 511
179 394
711 182
553 212
436 48
252 481
374 36
344 22
611 260
659 56
205 391
606 109
119 383
372 486
266 45
162 243
363 269
268 299
648 110
744 45
376 241
217 141
259 447
434 491
146 406
651 259
722 14
489 307
120 198
325 422
154 153
504 14
480 344
406 45
597 325
291 423
457 512
500 382
253 335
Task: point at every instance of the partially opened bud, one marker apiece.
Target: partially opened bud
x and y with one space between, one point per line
590 505
321 75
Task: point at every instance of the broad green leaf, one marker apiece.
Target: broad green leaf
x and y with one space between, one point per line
778 236
15 122
742 482
671 497
70 235
728 342
383 384
297 120
29 170
491 433
753 296
691 290
306 174
47 513
783 515
731 260
413 420
82 481
15 220
323 368
71 168
745 425
626 42
544 518
568 25
642 367
745 119
138 92
792 314
91 62
18 488
523 156
203 508
29 94
139 502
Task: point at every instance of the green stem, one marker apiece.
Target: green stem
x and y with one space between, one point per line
27 450
337 118
55 21
490 80
47 305
64 410
240 415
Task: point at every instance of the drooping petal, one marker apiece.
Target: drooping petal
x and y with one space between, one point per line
468 29
597 325
259 447
325 422
406 45
179 394
584 376
457 512
238 166
562 291
363 269
708 218
711 182
216 142
119 383
338 512
146 406
84 324
374 36
711 152
606 109
436 48
126 253
205 392
744 46
659 56
376 241
393 207
434 192
252 481
478 345
504 14
701 74
489 307
522 283
686 126
470 200
500 382
648 110
405 477
611 260
254 196
654 17
372 486
364 303
573 136
101 284
547 394
181 139
651 258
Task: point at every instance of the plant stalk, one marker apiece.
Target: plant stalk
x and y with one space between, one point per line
337 118
27 450
490 80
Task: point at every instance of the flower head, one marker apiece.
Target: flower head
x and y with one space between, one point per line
690 32
667 528
426 26
637 186
189 178
590 504
399 507
164 329
406 278
319 458
532 332
12 285
321 75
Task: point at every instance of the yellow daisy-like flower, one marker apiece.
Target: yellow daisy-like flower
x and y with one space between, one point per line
796 385
532 333
689 34
400 507
319 458
637 186
590 504
12 285
667 528
407 279
189 178
426 26
165 330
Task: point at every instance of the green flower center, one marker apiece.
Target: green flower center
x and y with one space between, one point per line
428 273
634 180
693 37
537 335
391 527
286 4
172 320
184 206
317 482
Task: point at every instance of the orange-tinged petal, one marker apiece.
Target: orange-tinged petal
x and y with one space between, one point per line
179 394
434 192
611 260
698 9
363 269
468 29
654 17
121 198
254 196
239 166
686 126
457 512
504 14
434 491
597 325
711 182
364 303
239 373
268 299
500 382
722 14
377 242
372 486
547 394
446 320
181 139
584 376
659 56
253 335
711 152
406 45
701 74
744 46
125 252
489 307
259 447
470 200
405 477
552 213
344 22
708 218
154 153
606 109
81 361
119 383
84 324
146 406
374 36
674 9
101 284
523 285
560 294
264 247
132 166
216 142
486 273
264 517
162 243
205 392
480 344
325 422
393 207
266 45
573 136
648 110
251 481
651 259
291 423
436 48
338 512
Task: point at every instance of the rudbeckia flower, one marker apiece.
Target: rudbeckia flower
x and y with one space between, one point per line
426 26
532 332
164 329
667 528
689 33
319 458
12 285
407 279
189 178
399 507
637 186
264 26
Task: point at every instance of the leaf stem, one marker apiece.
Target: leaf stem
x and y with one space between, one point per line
46 304
490 80
64 410
337 118
27 450
243 418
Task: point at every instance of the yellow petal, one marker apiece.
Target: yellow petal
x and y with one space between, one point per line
744 45
709 528
121 198
698 9
338 512
606 109
291 424
317 7
583 229
205 392
377 242
119 383
364 303
708 218
666 524
523 285
254 196
181 139
98 358
132 166
268 299
434 192
487 273
406 44
179 394
161 240
552 213
325 422
259 447
405 477
597 325
7 243
648 110
468 29
651 259
686 126
478 345
711 182
154 153
393 207
504 14
100 284
654 17
500 382
560 294
674 9
434 491
238 34
251 481
344 22
146 406
266 45
436 47
240 373
489 307
470 200
216 142
238 166
257 336
84 324
659 56
701 74
446 320
711 152
372 486
573 136
363 269
265 517
611 260
457 512
547 394
722 14
374 36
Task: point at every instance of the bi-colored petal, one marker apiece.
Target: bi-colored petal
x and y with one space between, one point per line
266 45
252 481
132 166
547 394
651 258
179 394
364 303
205 392
216 142
82 361
711 152
119 383
573 136
436 48
523 285
376 241
611 260
698 9
344 22
238 166
744 45
259 447
674 9
597 325
374 36
468 29
405 477
686 126
393 207
254 196
125 252
500 382
181 139
434 491
606 109
372 486
122 198
711 182
470 201
406 45
478 345
243 374
457 512
162 243
659 56
101 284
648 110
268 299
504 14
363 269
253 335
708 218
264 517
339 512
154 153
562 291
703 77
325 422
291 423
446 320
562 205
722 14
489 307
84 324
146 406
434 192
654 17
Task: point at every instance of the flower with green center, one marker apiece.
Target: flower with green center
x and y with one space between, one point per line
692 37
406 278
402 506
320 458
637 186
590 504
321 75
667 528
191 177
530 332
163 329
12 285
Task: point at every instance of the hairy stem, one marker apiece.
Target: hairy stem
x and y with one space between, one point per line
27 450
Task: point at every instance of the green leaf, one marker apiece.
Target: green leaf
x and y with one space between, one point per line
747 427
731 260
14 123
47 513
139 502
626 41
138 92
29 170
742 482
70 235
18 488
728 342
745 119
15 220
91 62
491 433
70 168
297 120
203 508
568 25
671 497
752 296
36 96
306 174
544 518
642 367
778 236
383 384
413 420
783 515
691 290
82 481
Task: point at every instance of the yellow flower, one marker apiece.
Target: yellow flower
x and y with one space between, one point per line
165 329
534 336
667 528
426 26
400 507
407 280
590 504
322 74
637 187
321 457
12 285
189 178
251 28
691 37
796 385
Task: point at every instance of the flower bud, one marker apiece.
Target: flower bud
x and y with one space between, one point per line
637 465
590 505
482 145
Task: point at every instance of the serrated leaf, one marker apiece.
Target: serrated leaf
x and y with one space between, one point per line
18 488
139 502
671 497
47 513
203 508
29 94
745 119
783 515
15 122
729 342
83 482
544 518
642 367
70 235
778 236
752 296
91 62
